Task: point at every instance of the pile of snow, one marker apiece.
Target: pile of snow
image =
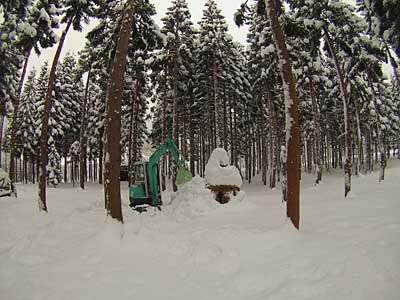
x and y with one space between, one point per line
218 171
192 199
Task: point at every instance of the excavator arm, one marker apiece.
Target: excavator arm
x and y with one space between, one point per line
183 173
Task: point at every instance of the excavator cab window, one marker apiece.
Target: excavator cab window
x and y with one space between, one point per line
140 173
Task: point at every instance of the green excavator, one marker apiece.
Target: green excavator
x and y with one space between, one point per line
146 189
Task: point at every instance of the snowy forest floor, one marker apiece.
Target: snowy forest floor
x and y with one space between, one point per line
196 248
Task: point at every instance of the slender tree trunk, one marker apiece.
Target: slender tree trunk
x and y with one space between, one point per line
175 121
225 125
273 142
379 140
101 157
65 168
2 117
216 103
292 119
345 98
83 137
14 124
164 126
359 160
317 133
113 119
130 162
45 121
191 135
133 131
33 170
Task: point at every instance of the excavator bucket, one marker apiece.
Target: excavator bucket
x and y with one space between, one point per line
183 175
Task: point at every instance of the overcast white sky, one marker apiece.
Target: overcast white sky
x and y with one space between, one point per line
75 41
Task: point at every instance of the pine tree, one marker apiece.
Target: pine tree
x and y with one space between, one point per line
68 94
41 86
174 63
292 120
113 117
212 39
75 11
25 135
36 29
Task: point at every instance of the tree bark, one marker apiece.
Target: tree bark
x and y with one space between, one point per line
2 117
14 123
345 98
133 131
317 133
45 120
113 119
83 137
379 140
191 135
292 119
175 124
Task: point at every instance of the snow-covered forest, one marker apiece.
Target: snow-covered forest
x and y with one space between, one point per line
311 100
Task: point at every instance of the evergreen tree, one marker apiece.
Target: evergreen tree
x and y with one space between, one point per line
36 29
75 12
25 134
68 95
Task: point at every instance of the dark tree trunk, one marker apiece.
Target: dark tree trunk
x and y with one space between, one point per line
379 139
273 142
2 117
133 130
113 119
175 121
45 121
345 98
317 134
65 169
14 124
83 137
292 119
191 135
101 157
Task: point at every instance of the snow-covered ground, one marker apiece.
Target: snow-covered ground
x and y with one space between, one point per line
198 249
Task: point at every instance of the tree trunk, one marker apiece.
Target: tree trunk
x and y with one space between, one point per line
2 117
345 98
113 119
216 116
45 121
292 119
101 157
83 137
164 126
191 135
133 130
359 160
317 134
381 159
14 124
273 142
175 124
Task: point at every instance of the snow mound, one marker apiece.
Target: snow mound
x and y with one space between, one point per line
193 199
218 171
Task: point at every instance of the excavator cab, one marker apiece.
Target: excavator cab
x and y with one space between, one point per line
139 193
146 188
